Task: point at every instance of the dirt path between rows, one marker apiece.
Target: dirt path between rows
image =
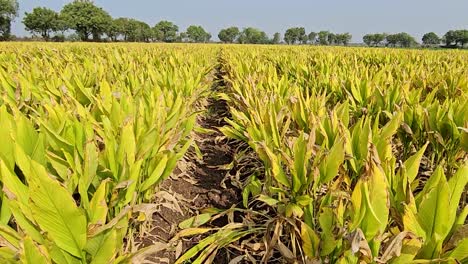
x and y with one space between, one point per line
196 184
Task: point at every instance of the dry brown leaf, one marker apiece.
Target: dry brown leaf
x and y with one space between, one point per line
285 251
140 256
178 249
237 260
394 248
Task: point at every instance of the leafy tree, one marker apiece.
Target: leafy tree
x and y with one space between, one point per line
462 37
139 31
323 37
276 38
331 38
312 37
182 37
229 35
43 21
392 40
125 27
253 36
431 38
166 31
113 30
86 19
61 24
197 34
368 39
450 37
402 39
406 40
289 37
374 39
8 11
344 38
455 37
379 38
303 37
296 34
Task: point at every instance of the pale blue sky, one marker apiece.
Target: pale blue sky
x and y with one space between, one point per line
355 16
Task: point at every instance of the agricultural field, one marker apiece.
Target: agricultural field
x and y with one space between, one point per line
159 153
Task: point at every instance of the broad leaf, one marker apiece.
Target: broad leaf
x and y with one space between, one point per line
56 212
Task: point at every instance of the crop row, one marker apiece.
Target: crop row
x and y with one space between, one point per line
88 133
364 154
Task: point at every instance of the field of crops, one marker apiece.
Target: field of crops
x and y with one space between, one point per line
338 155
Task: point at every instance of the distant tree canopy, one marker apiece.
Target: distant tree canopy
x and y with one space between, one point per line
374 39
166 31
395 40
312 37
86 19
295 35
229 35
430 38
130 30
276 38
43 21
456 38
8 12
401 39
323 37
344 38
139 32
197 34
253 36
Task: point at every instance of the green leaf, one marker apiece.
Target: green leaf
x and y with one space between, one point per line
333 160
61 256
98 206
254 187
195 221
15 190
392 126
31 254
103 247
430 184
277 169
293 210
127 146
456 187
6 148
433 216
310 241
413 162
327 224
10 236
30 141
300 162
268 200
197 248
370 202
155 175
8 256
460 253
56 212
411 222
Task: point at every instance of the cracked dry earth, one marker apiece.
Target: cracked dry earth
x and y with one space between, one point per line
196 184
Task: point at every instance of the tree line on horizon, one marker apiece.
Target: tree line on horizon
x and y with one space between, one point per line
452 39
92 23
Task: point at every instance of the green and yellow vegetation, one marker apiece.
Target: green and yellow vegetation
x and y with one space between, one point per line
364 154
87 133
361 154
